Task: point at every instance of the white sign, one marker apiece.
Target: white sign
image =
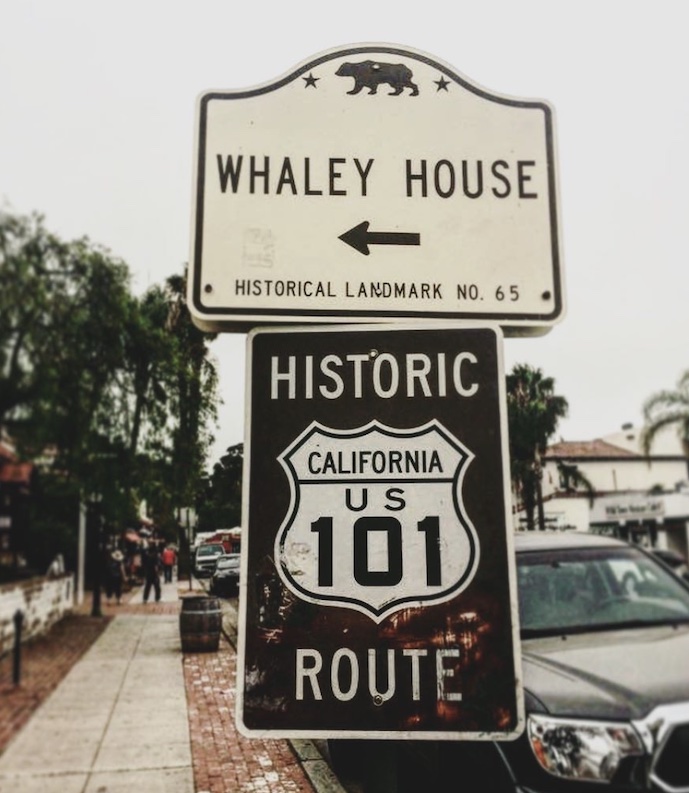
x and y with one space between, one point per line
374 183
395 552
632 507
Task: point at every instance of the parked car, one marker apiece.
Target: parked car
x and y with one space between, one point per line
674 560
205 558
606 682
225 578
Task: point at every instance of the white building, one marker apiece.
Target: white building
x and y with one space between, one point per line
640 498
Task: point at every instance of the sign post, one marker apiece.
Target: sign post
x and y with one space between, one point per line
374 183
377 593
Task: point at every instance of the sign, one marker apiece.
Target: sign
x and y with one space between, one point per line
374 183
378 595
323 465
628 507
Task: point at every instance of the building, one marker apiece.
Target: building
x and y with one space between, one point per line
15 490
643 499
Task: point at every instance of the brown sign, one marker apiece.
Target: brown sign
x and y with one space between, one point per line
378 587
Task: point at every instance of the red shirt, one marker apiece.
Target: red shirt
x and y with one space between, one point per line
168 556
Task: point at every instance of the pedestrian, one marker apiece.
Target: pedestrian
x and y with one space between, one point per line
114 576
57 567
151 563
168 558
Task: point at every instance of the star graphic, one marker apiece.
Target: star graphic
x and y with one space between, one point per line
310 81
442 84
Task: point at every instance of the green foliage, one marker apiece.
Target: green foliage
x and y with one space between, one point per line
572 479
148 375
60 342
664 409
190 392
533 411
113 393
220 502
34 276
51 526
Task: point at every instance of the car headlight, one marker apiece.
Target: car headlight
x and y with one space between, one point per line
575 749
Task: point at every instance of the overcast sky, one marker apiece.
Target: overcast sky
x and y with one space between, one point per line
97 106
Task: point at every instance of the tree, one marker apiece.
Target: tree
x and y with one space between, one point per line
533 411
119 390
144 407
193 399
26 254
220 505
150 358
571 479
667 409
50 294
62 309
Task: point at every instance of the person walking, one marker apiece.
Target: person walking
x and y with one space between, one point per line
169 557
151 563
114 576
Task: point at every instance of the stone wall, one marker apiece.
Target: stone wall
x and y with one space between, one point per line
42 602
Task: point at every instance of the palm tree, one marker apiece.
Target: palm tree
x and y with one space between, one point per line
571 479
667 409
533 411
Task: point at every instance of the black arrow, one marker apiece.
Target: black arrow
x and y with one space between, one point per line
360 238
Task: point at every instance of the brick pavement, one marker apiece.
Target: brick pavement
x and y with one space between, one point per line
223 760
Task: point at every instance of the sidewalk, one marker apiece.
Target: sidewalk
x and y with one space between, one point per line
135 713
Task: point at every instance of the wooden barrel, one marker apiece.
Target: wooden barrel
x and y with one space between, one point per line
200 620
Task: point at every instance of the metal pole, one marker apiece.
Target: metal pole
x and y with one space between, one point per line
190 554
96 531
81 553
16 666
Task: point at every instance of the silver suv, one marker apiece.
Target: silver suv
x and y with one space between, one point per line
207 554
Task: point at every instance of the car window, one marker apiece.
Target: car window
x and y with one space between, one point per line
228 561
572 590
208 550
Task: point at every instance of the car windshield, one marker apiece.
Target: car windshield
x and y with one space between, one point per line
209 550
228 561
579 590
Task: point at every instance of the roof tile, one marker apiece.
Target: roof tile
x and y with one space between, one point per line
590 449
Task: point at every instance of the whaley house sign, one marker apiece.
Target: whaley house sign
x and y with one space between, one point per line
374 183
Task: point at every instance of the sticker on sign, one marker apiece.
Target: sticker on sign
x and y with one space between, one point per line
374 183
378 595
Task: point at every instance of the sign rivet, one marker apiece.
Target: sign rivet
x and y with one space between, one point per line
208 288
378 700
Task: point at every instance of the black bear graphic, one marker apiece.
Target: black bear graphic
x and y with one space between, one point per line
370 74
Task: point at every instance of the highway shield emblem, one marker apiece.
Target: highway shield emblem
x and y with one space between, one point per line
376 521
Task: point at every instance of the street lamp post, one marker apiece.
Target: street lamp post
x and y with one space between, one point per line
187 519
95 533
81 551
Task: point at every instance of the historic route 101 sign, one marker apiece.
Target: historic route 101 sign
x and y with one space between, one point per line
377 595
374 183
